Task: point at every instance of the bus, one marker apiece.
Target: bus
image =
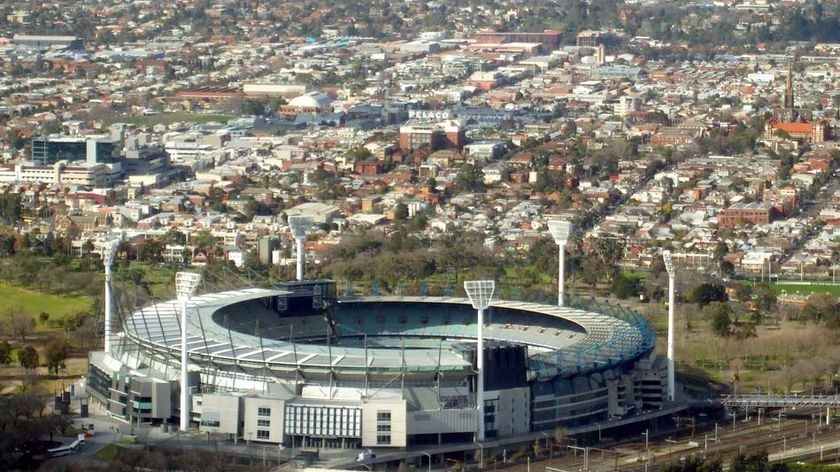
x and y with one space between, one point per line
68 449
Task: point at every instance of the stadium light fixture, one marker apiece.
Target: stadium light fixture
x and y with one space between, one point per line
108 255
299 225
669 266
185 285
480 293
560 231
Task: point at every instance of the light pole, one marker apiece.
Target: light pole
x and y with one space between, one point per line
480 454
647 448
480 293
430 459
669 266
185 285
670 442
108 260
560 231
299 225
548 445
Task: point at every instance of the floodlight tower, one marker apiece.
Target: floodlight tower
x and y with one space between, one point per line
480 293
185 285
560 231
108 260
669 266
299 225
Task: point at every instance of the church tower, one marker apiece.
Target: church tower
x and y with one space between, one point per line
789 88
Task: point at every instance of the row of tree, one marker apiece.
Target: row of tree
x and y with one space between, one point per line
55 355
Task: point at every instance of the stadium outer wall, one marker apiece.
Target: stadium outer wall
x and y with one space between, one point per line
304 369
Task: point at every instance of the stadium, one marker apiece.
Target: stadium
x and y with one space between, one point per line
296 364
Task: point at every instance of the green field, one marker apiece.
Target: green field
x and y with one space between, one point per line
107 453
833 290
169 118
35 302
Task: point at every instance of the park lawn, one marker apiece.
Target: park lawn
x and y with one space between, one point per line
169 118
34 302
159 278
635 274
106 453
827 288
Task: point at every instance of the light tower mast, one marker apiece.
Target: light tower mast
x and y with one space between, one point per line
299 225
669 266
480 293
185 285
560 231
108 260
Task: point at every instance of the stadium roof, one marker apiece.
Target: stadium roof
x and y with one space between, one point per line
600 341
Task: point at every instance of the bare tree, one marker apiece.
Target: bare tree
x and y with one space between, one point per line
17 322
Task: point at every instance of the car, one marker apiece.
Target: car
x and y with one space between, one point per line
365 456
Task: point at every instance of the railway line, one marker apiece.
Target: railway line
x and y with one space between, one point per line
798 437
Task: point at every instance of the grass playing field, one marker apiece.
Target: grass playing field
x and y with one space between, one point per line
35 302
801 289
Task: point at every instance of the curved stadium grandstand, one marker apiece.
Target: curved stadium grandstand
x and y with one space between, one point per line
298 365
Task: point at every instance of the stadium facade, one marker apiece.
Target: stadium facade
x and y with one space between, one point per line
296 365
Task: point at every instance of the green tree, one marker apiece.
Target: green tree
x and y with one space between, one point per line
56 353
542 256
151 251
10 208
5 353
175 237
359 153
203 240
764 299
743 292
624 286
470 179
253 107
721 319
253 208
755 462
28 357
657 266
721 250
252 261
401 211
706 293
601 263
727 268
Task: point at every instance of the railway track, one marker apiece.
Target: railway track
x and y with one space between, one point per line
788 439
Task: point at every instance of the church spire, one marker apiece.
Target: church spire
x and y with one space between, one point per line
789 88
